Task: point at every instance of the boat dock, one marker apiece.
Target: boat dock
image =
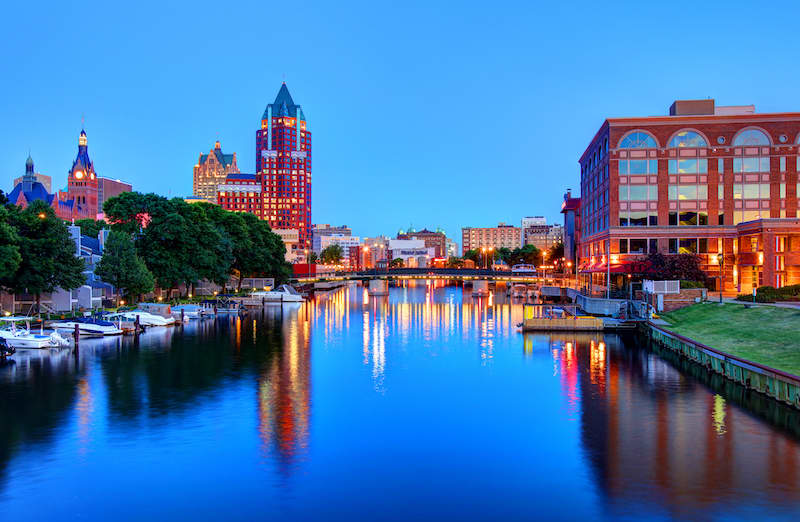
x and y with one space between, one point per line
556 318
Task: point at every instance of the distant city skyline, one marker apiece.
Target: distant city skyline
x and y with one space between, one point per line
424 114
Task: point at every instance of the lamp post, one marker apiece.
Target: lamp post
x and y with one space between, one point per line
721 263
483 257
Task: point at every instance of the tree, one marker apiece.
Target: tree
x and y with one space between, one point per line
267 256
9 245
122 267
555 252
313 257
47 253
396 263
454 262
681 266
504 254
91 227
332 254
528 255
473 255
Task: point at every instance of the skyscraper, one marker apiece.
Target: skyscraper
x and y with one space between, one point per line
280 190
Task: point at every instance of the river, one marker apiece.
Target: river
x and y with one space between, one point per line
427 404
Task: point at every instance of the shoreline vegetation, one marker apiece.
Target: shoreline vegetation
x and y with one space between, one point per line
767 335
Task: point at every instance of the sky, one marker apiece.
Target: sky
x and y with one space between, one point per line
425 114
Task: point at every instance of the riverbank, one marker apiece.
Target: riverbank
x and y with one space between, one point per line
767 335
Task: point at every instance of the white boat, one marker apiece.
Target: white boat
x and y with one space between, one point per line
145 318
17 336
88 326
284 293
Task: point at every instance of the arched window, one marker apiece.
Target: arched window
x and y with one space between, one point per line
638 140
687 138
750 137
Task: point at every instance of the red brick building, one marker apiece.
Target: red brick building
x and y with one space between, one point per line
436 240
280 190
705 179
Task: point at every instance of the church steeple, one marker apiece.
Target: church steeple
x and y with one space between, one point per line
29 178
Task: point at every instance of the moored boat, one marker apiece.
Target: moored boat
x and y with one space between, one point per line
88 326
18 336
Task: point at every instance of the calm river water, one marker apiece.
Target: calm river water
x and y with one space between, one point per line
426 404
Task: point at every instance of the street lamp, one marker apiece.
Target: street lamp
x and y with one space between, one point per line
721 263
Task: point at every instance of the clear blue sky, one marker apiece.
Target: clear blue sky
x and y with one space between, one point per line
451 115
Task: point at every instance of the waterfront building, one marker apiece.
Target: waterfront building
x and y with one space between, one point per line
531 221
210 171
280 190
320 230
339 239
291 238
542 236
436 240
451 248
501 236
413 252
572 225
705 180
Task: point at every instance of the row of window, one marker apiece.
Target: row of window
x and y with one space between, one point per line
690 139
674 246
699 192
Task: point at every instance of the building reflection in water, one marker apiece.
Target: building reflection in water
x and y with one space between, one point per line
284 386
654 434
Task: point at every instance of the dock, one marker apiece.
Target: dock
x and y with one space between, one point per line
560 318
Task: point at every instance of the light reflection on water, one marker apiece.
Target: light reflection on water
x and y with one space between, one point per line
426 403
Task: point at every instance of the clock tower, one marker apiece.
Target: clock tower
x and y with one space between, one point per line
82 184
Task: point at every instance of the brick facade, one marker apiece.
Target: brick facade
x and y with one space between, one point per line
696 183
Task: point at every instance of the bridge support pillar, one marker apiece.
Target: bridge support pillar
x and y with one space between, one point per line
378 287
480 287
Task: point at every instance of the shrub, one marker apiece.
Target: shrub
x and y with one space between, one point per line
770 294
692 284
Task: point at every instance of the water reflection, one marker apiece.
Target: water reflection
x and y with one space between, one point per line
428 381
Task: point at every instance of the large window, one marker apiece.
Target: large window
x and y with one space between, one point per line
687 192
751 137
688 218
638 192
638 140
688 166
687 138
751 164
638 167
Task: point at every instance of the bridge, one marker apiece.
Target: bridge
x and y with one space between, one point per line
458 274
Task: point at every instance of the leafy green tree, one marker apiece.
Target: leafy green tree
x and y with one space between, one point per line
313 257
504 254
122 267
3 198
528 255
555 252
131 212
332 254
454 262
9 245
473 255
396 263
47 252
91 227
267 254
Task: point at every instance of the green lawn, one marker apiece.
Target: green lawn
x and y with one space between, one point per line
764 334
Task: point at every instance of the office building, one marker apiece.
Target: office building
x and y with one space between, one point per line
705 180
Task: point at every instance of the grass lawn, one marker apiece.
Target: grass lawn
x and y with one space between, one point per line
765 334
